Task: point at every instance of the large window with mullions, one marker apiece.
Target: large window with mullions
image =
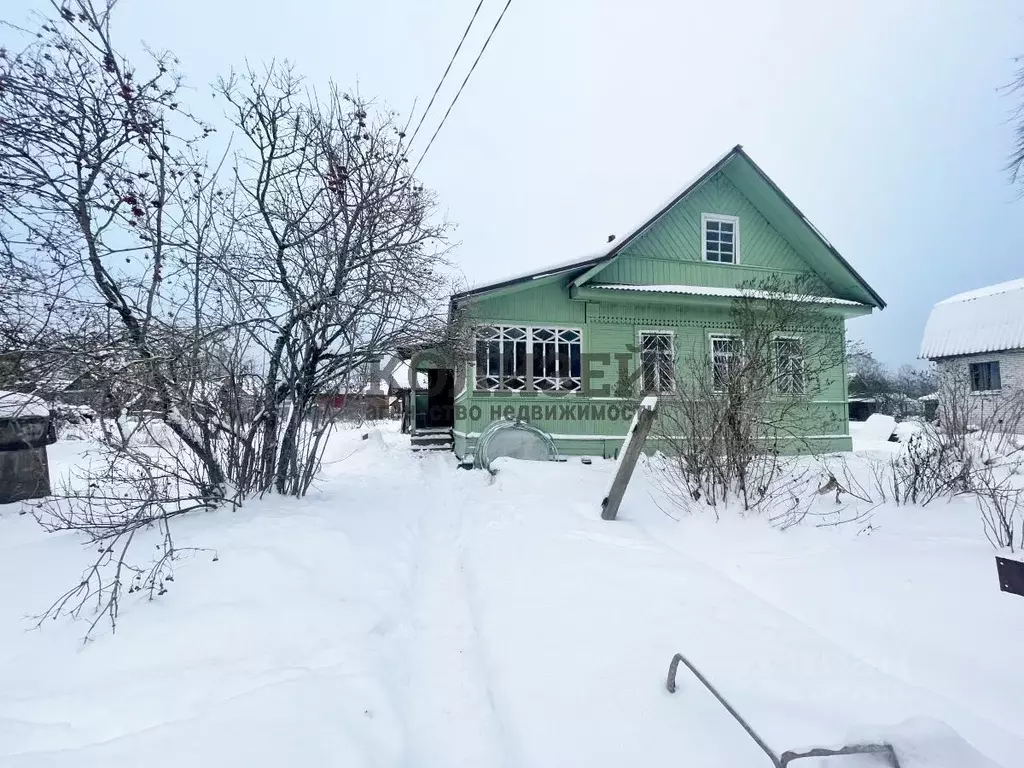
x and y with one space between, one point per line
518 358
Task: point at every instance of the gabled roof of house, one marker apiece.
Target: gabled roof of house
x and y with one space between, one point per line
987 319
765 195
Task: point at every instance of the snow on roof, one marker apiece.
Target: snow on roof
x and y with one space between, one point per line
704 290
982 320
17 404
535 274
667 204
401 375
990 290
615 245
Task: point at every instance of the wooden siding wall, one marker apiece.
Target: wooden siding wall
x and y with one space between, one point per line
612 328
670 251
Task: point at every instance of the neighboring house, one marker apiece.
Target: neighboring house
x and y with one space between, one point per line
657 296
375 393
980 334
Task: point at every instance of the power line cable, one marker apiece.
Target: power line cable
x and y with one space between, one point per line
446 71
459 93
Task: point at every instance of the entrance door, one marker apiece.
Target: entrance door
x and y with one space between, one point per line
440 399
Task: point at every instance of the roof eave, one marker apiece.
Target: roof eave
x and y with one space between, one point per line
938 357
594 293
879 301
473 293
614 252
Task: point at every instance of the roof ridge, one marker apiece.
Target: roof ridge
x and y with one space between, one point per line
995 289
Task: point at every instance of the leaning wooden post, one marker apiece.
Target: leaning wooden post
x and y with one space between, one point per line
631 447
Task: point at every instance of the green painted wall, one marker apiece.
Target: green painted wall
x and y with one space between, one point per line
595 425
669 252
545 300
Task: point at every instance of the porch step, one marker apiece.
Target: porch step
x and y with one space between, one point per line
434 440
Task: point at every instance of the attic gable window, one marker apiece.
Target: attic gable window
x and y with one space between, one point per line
720 238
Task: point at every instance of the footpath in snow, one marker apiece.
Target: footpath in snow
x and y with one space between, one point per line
408 613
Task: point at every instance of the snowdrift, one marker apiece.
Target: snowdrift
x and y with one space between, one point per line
407 613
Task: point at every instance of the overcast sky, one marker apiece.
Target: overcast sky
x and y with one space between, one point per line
881 119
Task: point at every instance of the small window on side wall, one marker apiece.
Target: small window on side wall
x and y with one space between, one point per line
985 377
726 361
720 238
789 366
657 362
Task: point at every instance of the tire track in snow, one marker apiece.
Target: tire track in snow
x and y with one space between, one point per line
452 720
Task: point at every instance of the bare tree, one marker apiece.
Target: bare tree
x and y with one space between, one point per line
100 172
1016 89
94 178
895 394
231 302
336 257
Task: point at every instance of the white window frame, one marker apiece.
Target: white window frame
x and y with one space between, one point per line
735 221
803 363
712 337
640 357
529 385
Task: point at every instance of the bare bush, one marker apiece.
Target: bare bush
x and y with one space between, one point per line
973 451
974 434
933 465
1001 504
740 407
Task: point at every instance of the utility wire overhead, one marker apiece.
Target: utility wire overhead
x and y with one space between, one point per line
461 87
446 71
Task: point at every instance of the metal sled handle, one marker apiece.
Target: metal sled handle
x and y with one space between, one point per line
779 761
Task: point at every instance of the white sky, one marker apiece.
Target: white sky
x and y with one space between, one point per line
881 119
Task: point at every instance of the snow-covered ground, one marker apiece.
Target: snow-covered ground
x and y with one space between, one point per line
409 613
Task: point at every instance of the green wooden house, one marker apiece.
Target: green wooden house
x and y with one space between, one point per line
550 346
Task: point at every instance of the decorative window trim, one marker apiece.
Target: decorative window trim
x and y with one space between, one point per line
712 338
735 221
560 384
640 360
803 367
